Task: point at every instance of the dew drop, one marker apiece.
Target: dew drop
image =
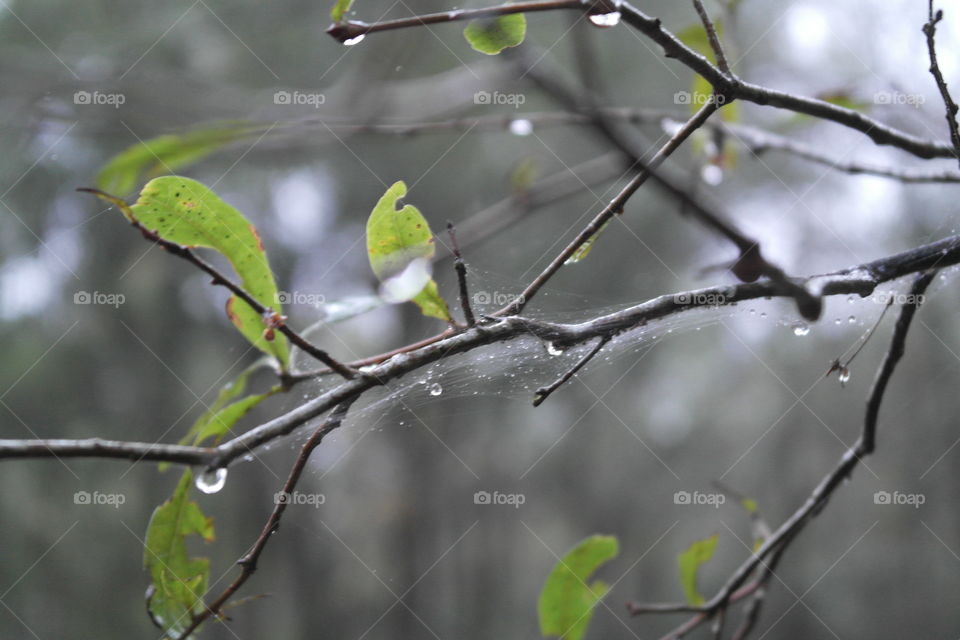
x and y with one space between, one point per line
837 321
711 174
212 480
521 127
553 349
852 319
801 329
763 314
435 389
605 20
352 41
844 376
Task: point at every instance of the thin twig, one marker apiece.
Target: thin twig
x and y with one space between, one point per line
544 392
248 563
730 87
273 320
613 208
461 270
863 447
750 265
351 29
930 30
712 37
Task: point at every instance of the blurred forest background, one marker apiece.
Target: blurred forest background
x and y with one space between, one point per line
732 395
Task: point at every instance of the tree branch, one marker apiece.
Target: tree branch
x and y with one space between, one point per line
712 36
930 30
728 86
864 446
859 280
248 563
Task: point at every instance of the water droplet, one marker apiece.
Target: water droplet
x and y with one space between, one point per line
553 349
521 127
801 329
605 20
844 376
711 174
248 458
212 480
837 321
435 389
851 299
352 41
763 314
852 319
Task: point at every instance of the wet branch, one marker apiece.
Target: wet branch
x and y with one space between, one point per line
930 30
781 538
248 563
271 319
859 280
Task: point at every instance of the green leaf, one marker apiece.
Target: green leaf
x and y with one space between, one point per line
339 9
566 601
697 554
587 246
165 154
398 237
491 36
184 211
179 582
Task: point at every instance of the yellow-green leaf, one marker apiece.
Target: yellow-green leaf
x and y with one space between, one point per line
697 554
179 581
587 246
340 9
566 601
186 212
493 35
165 154
396 239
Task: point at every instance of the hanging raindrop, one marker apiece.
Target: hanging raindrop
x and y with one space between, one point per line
435 389
605 20
212 480
521 127
844 376
553 349
352 41
801 329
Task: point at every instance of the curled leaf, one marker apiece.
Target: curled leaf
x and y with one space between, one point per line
493 35
179 581
400 246
699 553
566 601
